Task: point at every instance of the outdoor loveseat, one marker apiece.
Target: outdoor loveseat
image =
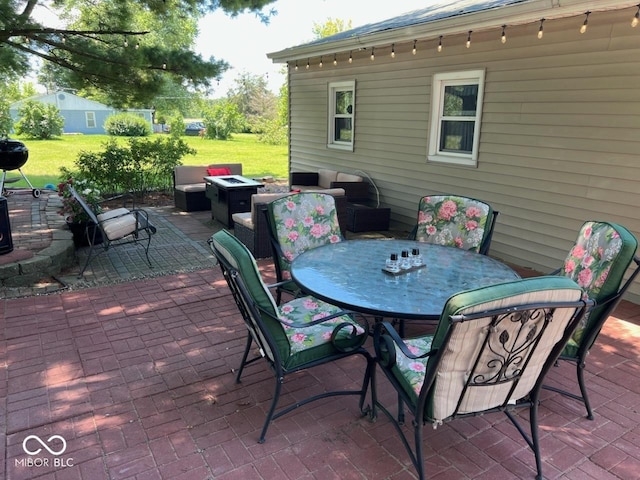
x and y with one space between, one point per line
189 190
355 187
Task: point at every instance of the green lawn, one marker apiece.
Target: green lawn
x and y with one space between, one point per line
47 156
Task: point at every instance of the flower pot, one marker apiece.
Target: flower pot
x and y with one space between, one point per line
80 238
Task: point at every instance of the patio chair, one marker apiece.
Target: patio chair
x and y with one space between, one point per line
598 262
455 221
298 222
120 226
297 335
490 353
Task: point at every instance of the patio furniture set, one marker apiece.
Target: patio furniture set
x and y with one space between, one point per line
492 336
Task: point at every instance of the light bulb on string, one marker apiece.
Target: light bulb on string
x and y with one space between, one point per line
373 54
164 66
393 50
583 28
503 37
469 39
414 47
320 64
335 60
126 42
440 44
137 45
296 67
636 18
350 57
307 67
541 29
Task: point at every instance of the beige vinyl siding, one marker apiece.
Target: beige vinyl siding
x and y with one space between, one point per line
560 130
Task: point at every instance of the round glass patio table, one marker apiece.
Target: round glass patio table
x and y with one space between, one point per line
350 274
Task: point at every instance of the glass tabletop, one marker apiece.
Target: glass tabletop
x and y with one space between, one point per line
350 274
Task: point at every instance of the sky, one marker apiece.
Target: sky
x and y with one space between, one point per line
244 41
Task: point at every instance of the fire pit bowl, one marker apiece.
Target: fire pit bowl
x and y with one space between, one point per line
13 154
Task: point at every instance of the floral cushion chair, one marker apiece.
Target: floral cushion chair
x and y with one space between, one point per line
297 223
455 221
597 262
296 335
490 352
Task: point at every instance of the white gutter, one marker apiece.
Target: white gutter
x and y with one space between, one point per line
511 15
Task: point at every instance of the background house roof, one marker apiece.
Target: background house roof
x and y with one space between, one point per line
447 18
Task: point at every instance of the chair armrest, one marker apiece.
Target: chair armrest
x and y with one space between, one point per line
355 192
304 178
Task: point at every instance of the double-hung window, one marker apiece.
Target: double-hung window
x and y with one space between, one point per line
90 118
455 117
342 97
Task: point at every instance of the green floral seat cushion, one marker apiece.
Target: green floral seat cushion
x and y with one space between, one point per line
303 221
310 343
452 221
597 263
411 372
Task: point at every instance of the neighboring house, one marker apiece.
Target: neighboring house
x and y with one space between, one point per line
80 114
504 100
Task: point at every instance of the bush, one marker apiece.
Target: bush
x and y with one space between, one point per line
127 125
39 120
141 166
222 120
176 125
6 122
272 132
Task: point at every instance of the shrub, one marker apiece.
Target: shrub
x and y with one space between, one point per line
272 132
141 166
39 120
6 122
127 125
176 125
222 120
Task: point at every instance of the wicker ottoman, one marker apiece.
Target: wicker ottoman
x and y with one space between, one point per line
362 218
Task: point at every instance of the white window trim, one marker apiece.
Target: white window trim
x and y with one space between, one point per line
333 87
440 80
86 117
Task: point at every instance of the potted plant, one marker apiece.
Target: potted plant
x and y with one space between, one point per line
77 219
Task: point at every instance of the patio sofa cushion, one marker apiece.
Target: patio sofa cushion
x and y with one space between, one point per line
189 187
355 187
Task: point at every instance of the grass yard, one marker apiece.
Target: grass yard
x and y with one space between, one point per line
47 156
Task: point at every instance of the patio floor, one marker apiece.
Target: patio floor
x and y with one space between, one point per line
138 379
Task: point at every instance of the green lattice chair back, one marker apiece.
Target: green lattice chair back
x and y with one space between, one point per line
598 262
455 221
302 221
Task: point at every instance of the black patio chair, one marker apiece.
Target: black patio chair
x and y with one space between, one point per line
298 222
490 353
120 226
598 262
456 221
294 336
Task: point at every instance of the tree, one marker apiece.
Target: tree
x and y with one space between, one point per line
124 48
222 120
330 27
253 98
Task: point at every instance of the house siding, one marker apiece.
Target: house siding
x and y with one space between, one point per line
560 130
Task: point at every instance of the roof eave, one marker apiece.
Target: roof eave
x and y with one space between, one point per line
511 15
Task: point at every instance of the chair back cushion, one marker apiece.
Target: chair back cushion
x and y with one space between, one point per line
453 221
597 262
490 351
239 258
302 221
326 176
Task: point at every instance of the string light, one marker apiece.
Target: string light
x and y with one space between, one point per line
636 18
373 54
296 67
164 66
335 61
414 47
503 37
307 67
583 28
350 57
137 45
126 42
440 44
541 29
320 64
393 50
469 39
